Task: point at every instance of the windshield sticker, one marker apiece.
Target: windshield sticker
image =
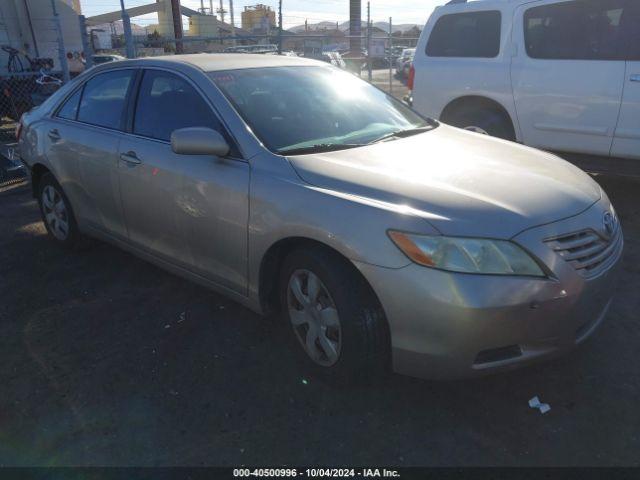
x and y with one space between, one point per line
223 78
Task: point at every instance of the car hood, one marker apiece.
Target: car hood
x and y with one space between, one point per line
463 183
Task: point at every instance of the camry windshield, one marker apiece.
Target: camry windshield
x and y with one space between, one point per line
296 110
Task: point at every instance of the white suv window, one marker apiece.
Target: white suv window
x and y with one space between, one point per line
578 30
470 34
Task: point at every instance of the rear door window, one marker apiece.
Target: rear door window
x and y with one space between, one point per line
578 30
470 34
104 99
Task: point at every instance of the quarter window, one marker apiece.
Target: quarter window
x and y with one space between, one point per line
104 99
578 30
166 103
69 109
472 34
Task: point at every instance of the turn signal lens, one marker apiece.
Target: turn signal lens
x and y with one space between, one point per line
467 255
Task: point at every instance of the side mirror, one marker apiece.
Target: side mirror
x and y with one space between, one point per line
199 141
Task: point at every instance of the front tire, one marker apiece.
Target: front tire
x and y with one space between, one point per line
334 321
57 213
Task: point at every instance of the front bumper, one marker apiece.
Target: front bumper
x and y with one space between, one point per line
450 325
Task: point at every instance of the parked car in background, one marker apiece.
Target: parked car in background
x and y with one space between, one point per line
381 236
403 62
561 75
260 49
99 59
334 58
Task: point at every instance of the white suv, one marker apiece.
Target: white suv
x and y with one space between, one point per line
554 74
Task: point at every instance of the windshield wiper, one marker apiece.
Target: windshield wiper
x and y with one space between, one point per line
319 148
402 133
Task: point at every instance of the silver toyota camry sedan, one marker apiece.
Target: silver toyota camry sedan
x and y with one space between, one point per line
382 238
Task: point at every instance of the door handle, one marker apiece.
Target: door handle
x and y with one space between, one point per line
130 157
54 134
634 78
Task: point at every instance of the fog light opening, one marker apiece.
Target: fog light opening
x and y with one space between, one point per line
498 354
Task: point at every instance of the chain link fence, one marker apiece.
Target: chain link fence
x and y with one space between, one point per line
19 93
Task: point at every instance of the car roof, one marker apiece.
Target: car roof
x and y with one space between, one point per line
211 62
463 5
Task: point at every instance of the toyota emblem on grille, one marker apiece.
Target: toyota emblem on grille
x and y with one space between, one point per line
609 223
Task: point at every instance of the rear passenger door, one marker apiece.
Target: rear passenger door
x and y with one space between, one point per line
567 73
627 138
83 142
191 210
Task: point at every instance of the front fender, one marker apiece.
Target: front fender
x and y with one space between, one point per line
355 227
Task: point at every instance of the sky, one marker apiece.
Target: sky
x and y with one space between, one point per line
294 11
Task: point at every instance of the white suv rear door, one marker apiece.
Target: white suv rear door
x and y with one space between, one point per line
567 73
627 138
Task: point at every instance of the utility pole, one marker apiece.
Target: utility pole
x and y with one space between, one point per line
233 25
369 66
355 27
177 24
126 25
280 29
221 10
390 56
61 56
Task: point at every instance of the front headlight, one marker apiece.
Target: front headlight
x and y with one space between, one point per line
467 255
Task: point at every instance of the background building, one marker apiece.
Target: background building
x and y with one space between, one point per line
28 26
258 18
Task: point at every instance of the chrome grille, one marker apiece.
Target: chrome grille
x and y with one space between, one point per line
588 251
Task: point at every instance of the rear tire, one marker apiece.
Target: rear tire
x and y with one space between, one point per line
57 213
487 121
349 321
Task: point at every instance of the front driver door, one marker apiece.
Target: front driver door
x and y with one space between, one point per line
191 210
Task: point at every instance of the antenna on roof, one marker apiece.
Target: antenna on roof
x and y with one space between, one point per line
455 2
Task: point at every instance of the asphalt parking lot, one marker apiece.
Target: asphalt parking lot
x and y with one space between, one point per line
107 360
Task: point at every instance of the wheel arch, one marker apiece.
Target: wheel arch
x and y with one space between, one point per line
477 102
273 259
37 171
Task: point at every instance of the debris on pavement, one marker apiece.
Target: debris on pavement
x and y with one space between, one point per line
535 403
